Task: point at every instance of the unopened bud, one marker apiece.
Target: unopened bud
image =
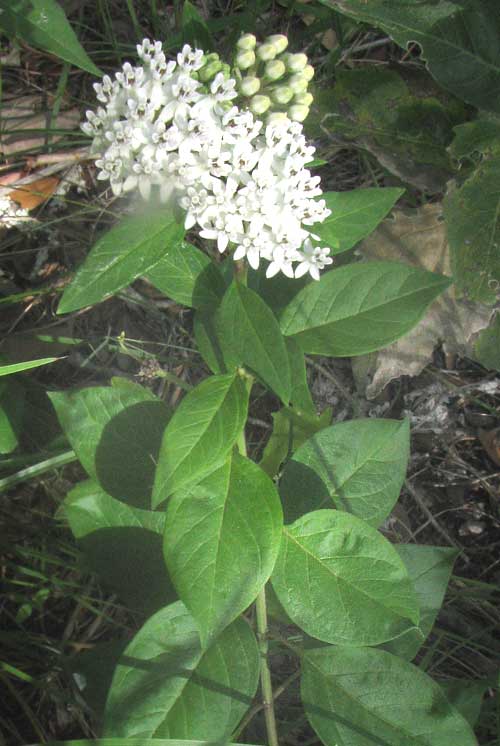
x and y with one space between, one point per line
259 104
244 60
295 62
266 52
305 99
297 83
276 116
249 86
226 70
308 72
298 112
279 42
282 94
246 42
209 71
275 69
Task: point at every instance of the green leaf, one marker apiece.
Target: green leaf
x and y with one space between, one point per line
140 742
201 433
363 697
7 370
355 214
300 396
276 291
188 276
116 432
342 582
360 307
122 545
429 569
12 409
167 687
472 214
194 30
130 249
459 40
357 466
249 335
480 136
207 341
487 345
43 24
466 696
221 541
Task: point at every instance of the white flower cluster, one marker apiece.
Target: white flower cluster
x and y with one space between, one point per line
11 215
243 183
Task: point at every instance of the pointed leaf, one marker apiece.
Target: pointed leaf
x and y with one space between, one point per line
130 249
221 541
360 307
201 433
343 582
7 370
43 24
249 335
300 396
166 687
355 214
357 466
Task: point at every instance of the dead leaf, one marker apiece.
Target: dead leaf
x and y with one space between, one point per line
30 113
37 192
418 237
490 440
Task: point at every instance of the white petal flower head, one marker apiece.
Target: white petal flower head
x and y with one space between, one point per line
313 258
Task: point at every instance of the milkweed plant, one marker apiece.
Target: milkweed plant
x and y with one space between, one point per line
226 559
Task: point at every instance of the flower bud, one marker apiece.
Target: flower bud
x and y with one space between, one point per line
282 94
246 59
209 71
275 69
305 99
298 83
295 62
259 104
308 72
298 112
276 116
249 85
266 52
246 42
279 42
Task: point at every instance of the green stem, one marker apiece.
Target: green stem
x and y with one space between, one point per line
30 472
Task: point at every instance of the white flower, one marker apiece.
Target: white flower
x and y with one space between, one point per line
312 260
12 215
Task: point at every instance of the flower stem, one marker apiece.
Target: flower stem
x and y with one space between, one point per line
265 673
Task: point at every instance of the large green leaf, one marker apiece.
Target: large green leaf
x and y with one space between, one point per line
207 340
140 742
221 541
116 432
300 395
249 334
7 370
355 214
363 697
459 40
429 569
188 276
480 136
343 582
167 687
360 308
130 249
466 696
194 30
43 24
487 345
201 433
472 214
358 466
12 409
122 545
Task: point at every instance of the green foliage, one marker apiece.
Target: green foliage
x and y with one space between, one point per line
130 249
194 30
12 405
361 696
480 136
201 433
7 370
360 307
340 581
459 40
487 347
43 24
221 541
166 686
357 466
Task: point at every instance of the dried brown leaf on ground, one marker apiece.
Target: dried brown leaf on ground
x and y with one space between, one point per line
418 237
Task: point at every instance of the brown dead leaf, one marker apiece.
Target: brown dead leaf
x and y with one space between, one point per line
490 440
418 237
34 194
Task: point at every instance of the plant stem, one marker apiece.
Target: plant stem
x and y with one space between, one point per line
265 673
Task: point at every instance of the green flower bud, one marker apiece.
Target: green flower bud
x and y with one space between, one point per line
266 52
246 59
298 83
246 42
226 70
259 104
279 42
209 71
276 116
305 99
308 72
298 112
295 62
275 69
249 85
282 94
